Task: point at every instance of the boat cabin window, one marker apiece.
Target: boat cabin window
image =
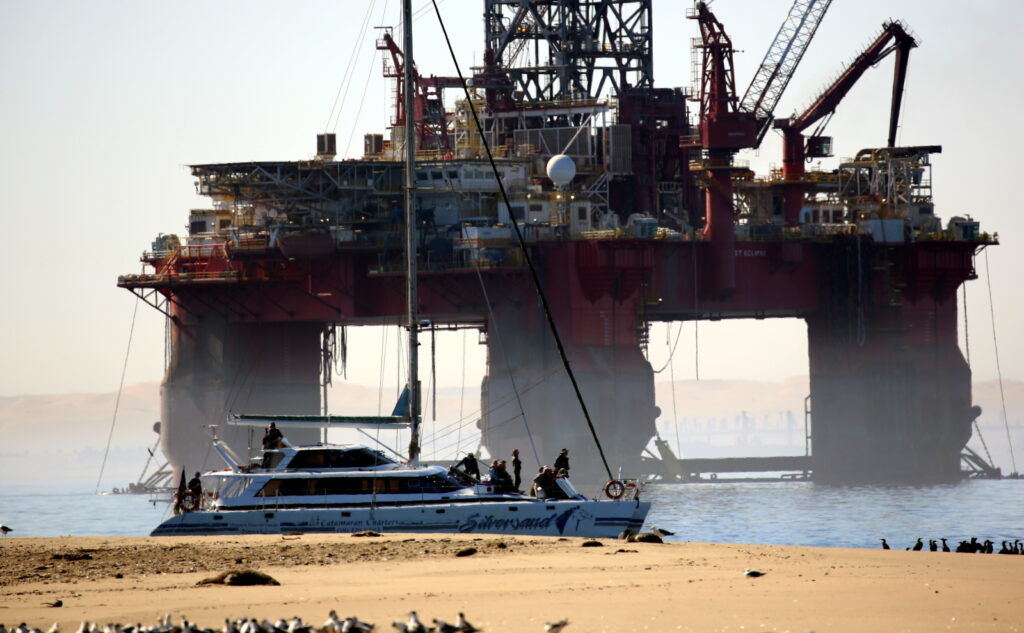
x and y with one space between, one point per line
356 486
271 459
331 458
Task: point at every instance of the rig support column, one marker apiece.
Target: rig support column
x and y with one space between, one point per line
890 389
219 367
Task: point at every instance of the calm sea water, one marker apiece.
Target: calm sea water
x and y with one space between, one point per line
790 513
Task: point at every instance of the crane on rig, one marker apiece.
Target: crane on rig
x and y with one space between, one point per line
428 99
894 38
781 60
728 124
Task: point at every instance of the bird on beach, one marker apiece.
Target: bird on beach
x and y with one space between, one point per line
919 545
55 628
945 545
885 545
463 625
56 603
333 623
296 625
412 626
355 625
556 627
444 627
5 529
753 573
933 545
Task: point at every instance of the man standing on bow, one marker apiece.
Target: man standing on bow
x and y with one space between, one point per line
517 469
562 462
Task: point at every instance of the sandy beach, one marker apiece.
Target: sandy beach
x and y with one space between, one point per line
510 583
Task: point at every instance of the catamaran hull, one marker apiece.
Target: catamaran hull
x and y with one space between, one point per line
559 518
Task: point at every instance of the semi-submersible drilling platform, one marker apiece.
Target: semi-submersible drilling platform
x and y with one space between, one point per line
658 223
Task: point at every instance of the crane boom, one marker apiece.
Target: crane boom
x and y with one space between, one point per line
781 60
894 38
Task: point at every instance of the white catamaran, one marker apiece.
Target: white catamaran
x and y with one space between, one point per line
350 488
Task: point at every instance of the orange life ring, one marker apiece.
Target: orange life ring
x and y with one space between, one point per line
614 489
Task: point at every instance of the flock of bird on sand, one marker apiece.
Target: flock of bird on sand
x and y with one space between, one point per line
969 547
334 624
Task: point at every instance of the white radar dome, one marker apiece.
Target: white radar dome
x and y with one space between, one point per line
561 170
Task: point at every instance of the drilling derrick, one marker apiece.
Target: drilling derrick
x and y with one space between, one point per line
570 49
652 220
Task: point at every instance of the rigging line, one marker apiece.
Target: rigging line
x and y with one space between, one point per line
495 426
967 347
861 331
366 87
433 372
462 392
433 380
672 377
508 365
967 333
494 406
346 78
117 401
522 246
358 47
380 377
999 370
391 450
239 383
672 351
398 365
424 8
696 313
398 376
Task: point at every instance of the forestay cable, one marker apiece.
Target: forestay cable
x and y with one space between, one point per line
522 245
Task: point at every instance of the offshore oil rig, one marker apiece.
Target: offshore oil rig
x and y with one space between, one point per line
651 218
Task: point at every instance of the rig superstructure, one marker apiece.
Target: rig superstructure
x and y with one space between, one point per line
657 222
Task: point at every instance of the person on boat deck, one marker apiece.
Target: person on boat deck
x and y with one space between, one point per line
562 462
272 437
544 482
500 476
195 488
517 469
468 466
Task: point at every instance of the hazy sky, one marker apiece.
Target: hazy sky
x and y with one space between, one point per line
104 103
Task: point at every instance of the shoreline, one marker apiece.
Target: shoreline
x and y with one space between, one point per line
510 584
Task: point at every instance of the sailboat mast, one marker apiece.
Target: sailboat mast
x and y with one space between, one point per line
408 92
